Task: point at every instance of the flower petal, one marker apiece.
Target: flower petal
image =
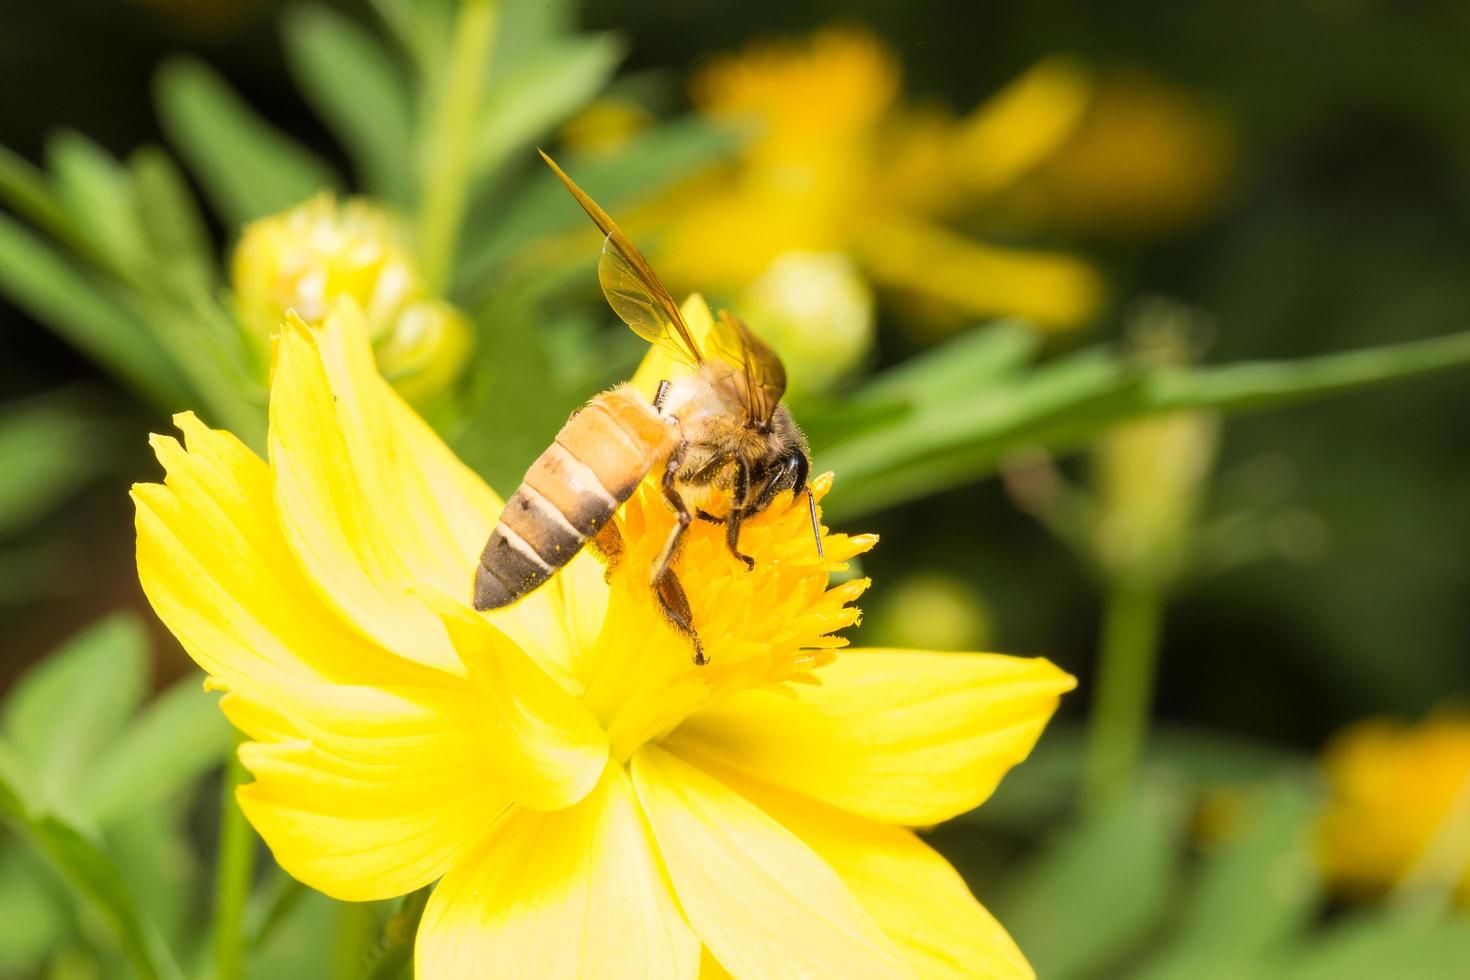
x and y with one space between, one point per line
897 736
919 901
218 572
360 517
1050 289
575 893
545 745
362 792
764 904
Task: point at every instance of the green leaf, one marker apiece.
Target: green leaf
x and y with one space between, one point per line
359 90
25 189
66 710
35 916
1374 947
95 881
248 168
175 230
1257 892
1037 793
526 28
1097 890
97 194
548 86
981 356
1065 404
1271 384
422 27
180 736
50 447
948 443
645 166
70 303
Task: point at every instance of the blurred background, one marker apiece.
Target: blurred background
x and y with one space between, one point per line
993 242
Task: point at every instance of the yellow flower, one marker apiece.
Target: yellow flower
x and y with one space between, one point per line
1145 159
1398 805
837 164
593 802
304 260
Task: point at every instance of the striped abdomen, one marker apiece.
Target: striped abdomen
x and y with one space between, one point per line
597 461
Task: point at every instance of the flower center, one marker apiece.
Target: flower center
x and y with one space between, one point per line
769 627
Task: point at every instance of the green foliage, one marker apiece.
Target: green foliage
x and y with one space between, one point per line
936 442
93 786
51 444
360 91
248 168
1103 885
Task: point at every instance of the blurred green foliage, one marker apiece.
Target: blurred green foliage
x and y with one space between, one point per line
1344 232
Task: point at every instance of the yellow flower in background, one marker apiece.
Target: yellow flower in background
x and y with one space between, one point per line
1398 806
305 259
592 800
837 164
1146 159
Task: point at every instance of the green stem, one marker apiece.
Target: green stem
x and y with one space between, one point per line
1118 727
354 940
454 101
234 872
394 955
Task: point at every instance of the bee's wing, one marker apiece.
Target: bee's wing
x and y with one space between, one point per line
765 377
630 284
638 304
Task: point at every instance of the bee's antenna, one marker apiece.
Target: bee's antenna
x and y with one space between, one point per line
811 506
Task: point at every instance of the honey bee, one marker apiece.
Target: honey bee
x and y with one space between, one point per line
722 426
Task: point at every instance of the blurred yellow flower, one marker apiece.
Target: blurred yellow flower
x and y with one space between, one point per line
592 800
1146 159
305 259
837 164
1399 806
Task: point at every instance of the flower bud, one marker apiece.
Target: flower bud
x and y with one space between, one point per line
306 259
817 311
1149 474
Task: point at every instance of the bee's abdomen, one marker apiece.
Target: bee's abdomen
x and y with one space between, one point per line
570 492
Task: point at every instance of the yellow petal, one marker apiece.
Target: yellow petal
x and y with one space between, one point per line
217 570
920 902
543 744
1049 289
576 893
364 792
1022 125
349 503
764 904
897 736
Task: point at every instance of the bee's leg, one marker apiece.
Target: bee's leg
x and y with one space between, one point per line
661 394
676 607
665 584
737 512
681 515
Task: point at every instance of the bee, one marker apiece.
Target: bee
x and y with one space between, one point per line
719 427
